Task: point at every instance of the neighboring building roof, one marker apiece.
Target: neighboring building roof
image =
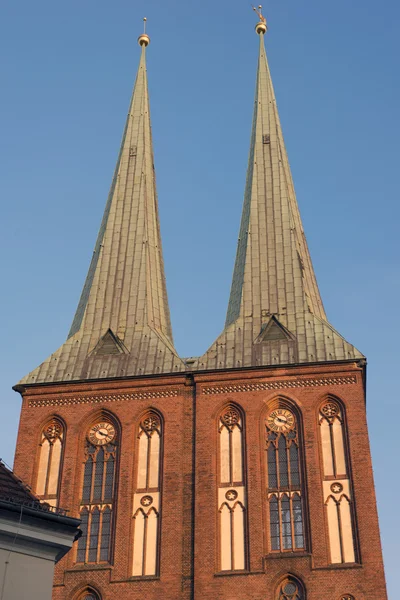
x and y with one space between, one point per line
275 312
13 489
122 325
29 526
15 492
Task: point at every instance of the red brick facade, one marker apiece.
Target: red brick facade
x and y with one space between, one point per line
190 405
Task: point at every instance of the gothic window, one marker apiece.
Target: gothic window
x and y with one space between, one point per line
291 589
336 483
231 491
147 497
50 458
284 480
89 594
98 494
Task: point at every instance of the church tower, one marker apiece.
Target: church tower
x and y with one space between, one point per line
244 473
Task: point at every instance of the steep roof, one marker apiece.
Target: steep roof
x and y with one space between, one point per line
12 488
122 325
275 313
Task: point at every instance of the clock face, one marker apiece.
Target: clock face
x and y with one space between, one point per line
280 420
101 433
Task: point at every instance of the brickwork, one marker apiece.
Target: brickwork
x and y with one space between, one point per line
190 405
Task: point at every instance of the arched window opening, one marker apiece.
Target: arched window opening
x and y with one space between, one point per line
89 594
50 459
332 438
284 480
336 483
147 497
98 493
231 451
232 491
291 589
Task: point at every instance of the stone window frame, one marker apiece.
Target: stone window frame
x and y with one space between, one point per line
226 487
102 506
288 404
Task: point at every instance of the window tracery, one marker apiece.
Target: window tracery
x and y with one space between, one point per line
147 497
291 589
284 480
336 482
231 501
98 494
50 459
89 594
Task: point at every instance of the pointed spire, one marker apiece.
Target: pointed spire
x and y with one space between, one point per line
124 296
273 275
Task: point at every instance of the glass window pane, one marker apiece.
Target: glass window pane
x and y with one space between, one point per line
105 535
83 539
272 471
274 524
87 480
98 476
109 485
283 462
298 522
294 465
94 536
286 523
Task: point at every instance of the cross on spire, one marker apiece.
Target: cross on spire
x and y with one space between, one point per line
259 13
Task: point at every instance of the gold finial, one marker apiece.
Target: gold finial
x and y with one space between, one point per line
144 40
261 26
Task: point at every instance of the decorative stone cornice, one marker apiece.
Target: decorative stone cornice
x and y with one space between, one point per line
70 400
280 385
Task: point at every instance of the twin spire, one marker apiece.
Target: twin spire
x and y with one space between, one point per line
275 314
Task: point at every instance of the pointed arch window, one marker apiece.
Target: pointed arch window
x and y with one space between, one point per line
98 494
89 594
147 496
285 490
337 482
291 588
50 461
231 490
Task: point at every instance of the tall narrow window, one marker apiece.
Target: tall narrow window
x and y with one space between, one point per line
51 447
336 483
231 491
284 480
291 589
147 497
98 494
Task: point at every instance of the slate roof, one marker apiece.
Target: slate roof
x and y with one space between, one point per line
122 325
12 488
273 280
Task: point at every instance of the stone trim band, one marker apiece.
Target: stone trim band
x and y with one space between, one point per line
67 401
280 385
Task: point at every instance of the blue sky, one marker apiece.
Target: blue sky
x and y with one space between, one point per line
66 82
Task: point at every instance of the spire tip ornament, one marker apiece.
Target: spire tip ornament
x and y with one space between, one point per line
144 40
261 26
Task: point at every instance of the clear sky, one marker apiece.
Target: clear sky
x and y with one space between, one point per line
66 75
